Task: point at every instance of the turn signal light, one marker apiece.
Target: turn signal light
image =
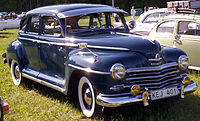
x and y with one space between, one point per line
135 90
187 81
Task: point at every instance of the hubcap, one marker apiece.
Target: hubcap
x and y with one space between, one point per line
88 96
17 72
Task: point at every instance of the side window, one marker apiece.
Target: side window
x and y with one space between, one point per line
153 18
84 21
51 26
116 21
23 25
188 28
33 24
166 27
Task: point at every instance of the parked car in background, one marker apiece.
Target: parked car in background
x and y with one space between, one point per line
11 23
2 25
138 11
21 15
76 50
4 108
148 20
180 30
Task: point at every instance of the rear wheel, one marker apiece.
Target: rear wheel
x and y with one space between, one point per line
87 100
15 73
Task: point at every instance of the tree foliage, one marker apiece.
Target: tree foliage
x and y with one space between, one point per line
25 5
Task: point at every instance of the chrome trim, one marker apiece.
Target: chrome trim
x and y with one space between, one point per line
156 68
153 72
44 83
191 87
74 45
109 48
194 68
49 43
159 59
89 70
112 101
159 76
117 101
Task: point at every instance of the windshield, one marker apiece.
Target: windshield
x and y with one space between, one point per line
97 22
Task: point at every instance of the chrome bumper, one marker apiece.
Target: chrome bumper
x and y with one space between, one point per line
110 101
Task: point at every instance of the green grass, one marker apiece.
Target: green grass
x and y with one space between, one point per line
33 101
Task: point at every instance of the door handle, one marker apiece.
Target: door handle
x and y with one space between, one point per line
177 40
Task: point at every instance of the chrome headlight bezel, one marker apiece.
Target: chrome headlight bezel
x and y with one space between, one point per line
183 62
118 71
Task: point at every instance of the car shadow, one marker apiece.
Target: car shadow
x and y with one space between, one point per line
171 109
5 34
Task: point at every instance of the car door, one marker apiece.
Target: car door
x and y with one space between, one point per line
164 33
189 34
28 36
52 51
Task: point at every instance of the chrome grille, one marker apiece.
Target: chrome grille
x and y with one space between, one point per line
154 77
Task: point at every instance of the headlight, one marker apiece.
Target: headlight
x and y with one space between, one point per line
183 62
118 71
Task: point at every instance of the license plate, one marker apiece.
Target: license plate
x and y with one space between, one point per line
158 94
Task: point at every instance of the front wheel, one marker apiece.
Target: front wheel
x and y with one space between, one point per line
86 95
15 73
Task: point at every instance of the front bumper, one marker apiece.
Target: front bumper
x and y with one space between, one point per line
116 101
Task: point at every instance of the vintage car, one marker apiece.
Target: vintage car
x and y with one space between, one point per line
76 50
148 20
180 30
11 23
4 108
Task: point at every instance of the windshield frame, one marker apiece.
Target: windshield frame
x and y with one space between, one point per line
89 31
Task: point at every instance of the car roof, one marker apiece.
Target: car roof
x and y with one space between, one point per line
182 16
143 16
69 10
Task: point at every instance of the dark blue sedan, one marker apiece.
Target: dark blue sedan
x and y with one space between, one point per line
77 50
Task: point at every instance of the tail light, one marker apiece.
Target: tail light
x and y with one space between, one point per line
5 107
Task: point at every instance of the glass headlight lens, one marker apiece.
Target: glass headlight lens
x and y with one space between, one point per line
118 71
183 62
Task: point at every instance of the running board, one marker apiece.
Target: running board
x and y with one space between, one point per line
44 83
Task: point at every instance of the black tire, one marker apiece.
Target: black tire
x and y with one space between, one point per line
87 98
16 73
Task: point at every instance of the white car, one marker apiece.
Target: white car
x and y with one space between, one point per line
148 20
2 25
8 24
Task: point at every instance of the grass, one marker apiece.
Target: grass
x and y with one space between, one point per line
33 101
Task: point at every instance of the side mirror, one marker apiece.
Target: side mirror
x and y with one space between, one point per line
82 45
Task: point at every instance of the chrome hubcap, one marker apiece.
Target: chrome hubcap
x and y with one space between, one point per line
88 96
17 72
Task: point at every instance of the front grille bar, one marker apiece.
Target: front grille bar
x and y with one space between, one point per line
152 68
147 77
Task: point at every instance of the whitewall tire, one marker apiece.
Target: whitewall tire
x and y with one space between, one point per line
86 95
15 73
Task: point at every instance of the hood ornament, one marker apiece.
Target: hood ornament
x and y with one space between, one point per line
85 46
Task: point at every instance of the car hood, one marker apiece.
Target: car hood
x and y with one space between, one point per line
122 42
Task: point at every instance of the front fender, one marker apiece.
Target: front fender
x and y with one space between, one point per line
171 54
16 51
101 62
